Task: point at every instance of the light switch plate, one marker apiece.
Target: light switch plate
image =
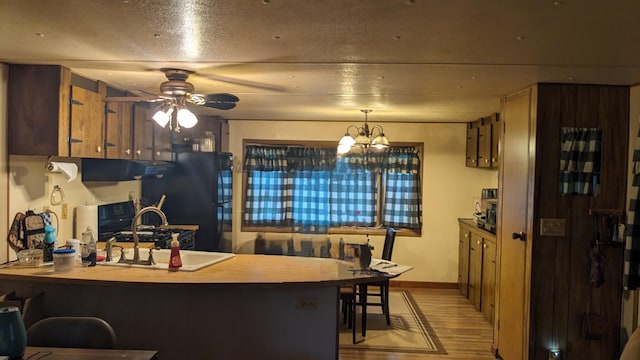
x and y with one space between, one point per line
552 227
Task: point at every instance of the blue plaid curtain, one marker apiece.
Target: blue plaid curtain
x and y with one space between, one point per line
401 179
631 279
306 187
225 188
354 197
268 197
580 161
310 169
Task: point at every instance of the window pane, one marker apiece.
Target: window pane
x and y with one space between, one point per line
310 199
266 198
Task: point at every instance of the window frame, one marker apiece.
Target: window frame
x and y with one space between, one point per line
342 230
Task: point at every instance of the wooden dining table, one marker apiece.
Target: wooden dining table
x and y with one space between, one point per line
49 353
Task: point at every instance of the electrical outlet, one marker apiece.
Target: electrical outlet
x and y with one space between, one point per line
64 211
306 303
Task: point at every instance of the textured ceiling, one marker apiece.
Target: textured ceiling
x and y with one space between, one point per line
408 60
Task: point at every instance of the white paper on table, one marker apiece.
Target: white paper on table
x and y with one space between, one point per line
389 267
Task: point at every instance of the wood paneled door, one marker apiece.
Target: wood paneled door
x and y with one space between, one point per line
513 213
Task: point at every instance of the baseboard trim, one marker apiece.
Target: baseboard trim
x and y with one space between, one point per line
423 284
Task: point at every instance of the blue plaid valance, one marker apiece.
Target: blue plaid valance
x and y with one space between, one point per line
580 161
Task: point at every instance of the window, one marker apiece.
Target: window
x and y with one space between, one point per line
310 189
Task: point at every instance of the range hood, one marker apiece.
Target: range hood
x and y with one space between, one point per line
123 170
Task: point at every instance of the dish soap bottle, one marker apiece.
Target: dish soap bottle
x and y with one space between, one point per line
49 243
88 248
175 262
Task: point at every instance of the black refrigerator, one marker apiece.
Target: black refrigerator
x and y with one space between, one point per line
198 192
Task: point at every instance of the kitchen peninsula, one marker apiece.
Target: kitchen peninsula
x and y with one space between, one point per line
247 307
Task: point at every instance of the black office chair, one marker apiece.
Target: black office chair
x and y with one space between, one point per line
383 286
72 332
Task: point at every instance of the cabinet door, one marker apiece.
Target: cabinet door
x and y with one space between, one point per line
484 145
496 129
463 262
161 143
87 123
118 142
472 145
142 133
488 279
475 269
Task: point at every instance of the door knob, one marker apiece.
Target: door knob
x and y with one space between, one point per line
519 235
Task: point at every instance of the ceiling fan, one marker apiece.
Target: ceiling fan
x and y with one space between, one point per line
177 89
176 92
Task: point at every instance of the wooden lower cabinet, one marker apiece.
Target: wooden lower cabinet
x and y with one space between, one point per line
463 261
477 267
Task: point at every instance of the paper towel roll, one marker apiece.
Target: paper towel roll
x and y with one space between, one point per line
69 170
86 215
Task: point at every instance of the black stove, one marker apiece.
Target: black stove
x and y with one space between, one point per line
114 220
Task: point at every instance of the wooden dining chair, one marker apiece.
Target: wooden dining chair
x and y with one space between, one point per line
72 332
382 287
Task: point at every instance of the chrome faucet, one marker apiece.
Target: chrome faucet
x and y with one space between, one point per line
134 231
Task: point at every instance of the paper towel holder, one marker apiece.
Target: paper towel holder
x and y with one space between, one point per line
69 170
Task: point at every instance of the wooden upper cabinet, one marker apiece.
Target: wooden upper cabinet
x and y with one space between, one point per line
38 110
118 143
161 143
482 142
484 145
87 124
472 145
53 112
142 133
496 130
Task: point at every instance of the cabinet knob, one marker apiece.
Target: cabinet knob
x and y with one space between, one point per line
99 149
486 160
466 235
128 151
478 242
485 246
157 153
138 152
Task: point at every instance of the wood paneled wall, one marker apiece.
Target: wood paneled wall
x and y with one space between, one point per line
561 291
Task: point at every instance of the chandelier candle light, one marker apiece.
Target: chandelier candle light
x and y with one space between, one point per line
364 138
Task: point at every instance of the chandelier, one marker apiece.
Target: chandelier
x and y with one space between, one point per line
363 138
184 117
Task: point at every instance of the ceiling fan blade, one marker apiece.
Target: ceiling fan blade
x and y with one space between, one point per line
221 105
133 99
247 83
225 97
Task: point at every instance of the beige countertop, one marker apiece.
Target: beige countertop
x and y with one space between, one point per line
244 270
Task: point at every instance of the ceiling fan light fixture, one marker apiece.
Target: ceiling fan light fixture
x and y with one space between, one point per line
186 118
163 116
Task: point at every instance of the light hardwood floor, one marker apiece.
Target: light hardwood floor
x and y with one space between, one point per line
462 330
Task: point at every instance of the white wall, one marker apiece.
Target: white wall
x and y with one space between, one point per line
31 186
449 188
